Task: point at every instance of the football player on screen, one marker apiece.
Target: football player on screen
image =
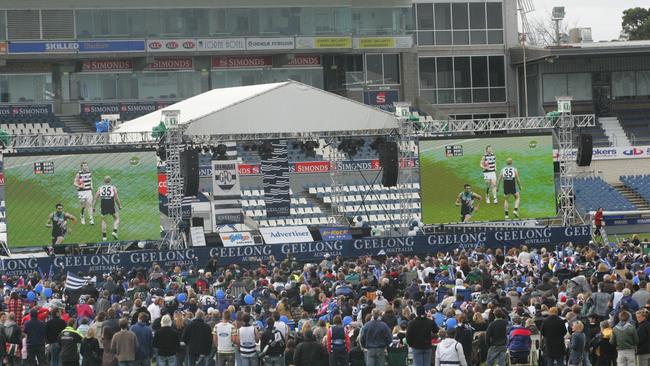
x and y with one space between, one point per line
83 182
489 166
58 221
511 186
466 200
107 194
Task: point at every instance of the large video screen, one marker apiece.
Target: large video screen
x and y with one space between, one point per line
487 179
81 198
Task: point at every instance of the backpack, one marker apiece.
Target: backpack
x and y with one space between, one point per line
278 340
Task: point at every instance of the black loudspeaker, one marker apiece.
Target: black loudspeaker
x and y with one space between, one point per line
388 158
190 172
585 149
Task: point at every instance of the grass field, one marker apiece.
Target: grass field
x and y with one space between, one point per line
30 197
442 178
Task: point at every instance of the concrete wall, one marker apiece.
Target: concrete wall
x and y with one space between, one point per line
611 170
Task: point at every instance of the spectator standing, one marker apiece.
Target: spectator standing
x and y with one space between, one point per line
449 351
166 341
553 330
643 331
124 344
338 343
69 339
577 345
419 333
224 334
247 338
309 352
15 306
13 339
145 340
272 345
519 342
35 332
198 338
496 338
53 329
90 350
375 338
625 338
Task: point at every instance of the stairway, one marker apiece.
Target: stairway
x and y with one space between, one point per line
614 131
74 124
632 196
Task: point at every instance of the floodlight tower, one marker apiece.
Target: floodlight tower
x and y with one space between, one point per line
558 16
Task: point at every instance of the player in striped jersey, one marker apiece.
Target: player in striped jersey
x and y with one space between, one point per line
511 186
489 166
83 181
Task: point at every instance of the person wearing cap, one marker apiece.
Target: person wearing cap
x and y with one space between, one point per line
625 338
553 332
496 338
338 343
166 341
375 338
419 333
449 351
35 332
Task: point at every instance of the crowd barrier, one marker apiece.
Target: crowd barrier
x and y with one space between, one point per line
198 257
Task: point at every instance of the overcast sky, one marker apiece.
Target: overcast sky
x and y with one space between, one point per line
602 16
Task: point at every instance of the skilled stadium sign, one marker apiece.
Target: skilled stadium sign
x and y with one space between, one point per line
301 251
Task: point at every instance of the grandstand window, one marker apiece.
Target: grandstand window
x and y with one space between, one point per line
230 78
475 79
643 83
459 23
18 88
382 69
623 84
424 16
381 21
3 25
577 85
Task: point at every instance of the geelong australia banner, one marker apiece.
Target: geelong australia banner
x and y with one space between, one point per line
275 176
226 190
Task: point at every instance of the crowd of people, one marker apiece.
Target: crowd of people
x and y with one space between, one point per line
567 305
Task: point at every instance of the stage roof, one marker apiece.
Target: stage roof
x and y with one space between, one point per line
286 107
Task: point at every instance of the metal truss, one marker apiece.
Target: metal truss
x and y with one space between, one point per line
407 155
566 199
143 139
337 195
173 147
212 139
437 127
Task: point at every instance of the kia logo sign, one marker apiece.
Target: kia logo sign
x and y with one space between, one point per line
172 45
633 152
188 45
155 45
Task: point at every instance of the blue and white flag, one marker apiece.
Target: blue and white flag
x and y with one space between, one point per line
275 176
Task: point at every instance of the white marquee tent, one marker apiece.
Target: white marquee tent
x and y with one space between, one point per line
286 107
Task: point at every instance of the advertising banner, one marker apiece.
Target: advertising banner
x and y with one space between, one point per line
107 65
303 250
111 46
171 45
76 46
25 110
286 234
93 109
236 238
241 62
279 43
380 97
611 153
275 178
221 44
171 63
383 42
304 60
336 233
323 42
226 190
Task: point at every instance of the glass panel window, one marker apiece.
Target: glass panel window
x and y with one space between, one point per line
443 38
445 96
427 73
497 95
442 16
481 95
429 96
461 37
497 72
579 86
459 13
554 86
425 38
425 16
643 83
477 15
3 25
495 37
494 16
478 37
391 69
623 84
445 72
462 73
25 88
479 72
374 69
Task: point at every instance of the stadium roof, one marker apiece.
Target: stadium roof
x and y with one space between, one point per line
286 107
587 49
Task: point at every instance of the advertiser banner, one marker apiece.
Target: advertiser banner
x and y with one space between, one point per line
323 42
222 44
275 178
3 48
304 250
25 110
171 63
171 45
304 61
226 190
236 238
611 153
248 169
107 65
286 234
279 43
241 62
380 97
336 233
383 42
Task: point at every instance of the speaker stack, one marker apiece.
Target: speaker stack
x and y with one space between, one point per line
190 172
585 150
389 161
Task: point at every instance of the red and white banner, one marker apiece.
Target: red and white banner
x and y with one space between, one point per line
248 169
107 65
611 153
162 184
307 167
304 60
241 62
171 63
171 45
